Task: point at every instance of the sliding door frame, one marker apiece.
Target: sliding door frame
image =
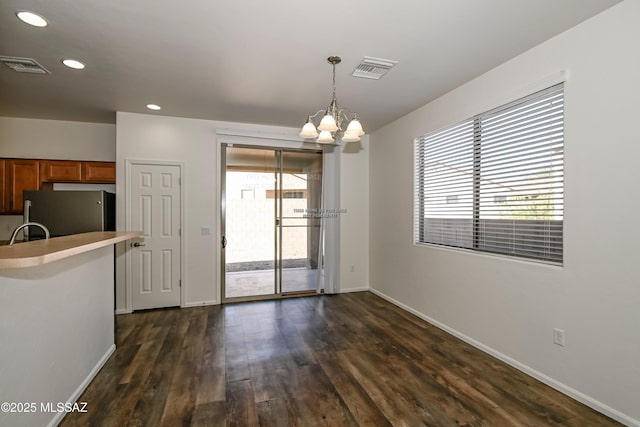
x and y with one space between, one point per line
278 293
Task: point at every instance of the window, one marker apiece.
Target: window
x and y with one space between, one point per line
505 171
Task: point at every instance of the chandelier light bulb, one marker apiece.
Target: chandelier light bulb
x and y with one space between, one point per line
355 128
328 123
350 137
325 136
309 130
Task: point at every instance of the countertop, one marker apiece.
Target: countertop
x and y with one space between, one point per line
30 254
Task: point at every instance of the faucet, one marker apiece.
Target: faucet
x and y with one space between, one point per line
25 225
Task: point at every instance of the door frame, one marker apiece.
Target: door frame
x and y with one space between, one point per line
246 139
127 209
277 229
223 217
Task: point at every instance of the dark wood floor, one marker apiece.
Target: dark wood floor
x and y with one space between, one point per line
345 360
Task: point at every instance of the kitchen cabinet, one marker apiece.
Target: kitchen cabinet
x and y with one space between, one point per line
61 170
20 175
2 187
78 171
99 172
17 175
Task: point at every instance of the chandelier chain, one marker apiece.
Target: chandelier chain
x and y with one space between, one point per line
331 124
334 82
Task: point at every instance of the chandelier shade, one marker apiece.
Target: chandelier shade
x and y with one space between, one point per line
355 127
325 136
309 130
330 126
347 137
328 123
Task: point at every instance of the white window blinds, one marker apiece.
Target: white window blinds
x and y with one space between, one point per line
495 182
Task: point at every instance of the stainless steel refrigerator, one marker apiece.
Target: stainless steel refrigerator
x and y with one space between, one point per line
69 212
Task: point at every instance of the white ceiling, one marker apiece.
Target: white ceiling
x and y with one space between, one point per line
262 61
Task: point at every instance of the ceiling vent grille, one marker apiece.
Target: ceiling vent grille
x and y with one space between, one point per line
24 65
373 68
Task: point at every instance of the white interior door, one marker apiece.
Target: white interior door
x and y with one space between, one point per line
154 204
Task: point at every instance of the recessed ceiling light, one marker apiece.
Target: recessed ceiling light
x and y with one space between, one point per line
153 107
72 63
32 18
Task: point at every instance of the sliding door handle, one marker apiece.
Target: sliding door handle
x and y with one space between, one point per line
224 242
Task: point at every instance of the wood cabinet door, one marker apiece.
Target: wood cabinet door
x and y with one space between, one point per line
22 174
61 170
101 172
3 186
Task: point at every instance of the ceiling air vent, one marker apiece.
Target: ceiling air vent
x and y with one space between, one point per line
373 68
24 65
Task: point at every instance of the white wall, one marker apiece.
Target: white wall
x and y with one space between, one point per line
510 307
354 200
194 142
8 223
57 139
53 139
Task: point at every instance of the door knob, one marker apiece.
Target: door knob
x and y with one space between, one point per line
137 245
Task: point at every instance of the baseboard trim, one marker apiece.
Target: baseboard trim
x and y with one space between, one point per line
186 305
561 387
83 385
348 290
199 304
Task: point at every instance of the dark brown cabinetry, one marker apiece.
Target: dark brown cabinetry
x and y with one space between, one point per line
61 170
20 175
104 172
17 175
2 187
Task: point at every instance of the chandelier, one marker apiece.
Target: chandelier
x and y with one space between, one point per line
330 126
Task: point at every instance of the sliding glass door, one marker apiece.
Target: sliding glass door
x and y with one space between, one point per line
299 220
270 222
249 242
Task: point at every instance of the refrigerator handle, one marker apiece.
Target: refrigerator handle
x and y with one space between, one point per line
26 218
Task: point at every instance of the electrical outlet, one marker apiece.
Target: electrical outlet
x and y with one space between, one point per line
558 336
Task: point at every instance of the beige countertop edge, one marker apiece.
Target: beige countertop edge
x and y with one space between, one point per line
39 252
